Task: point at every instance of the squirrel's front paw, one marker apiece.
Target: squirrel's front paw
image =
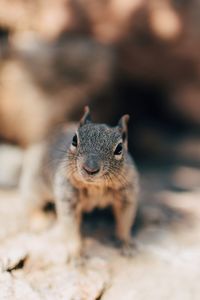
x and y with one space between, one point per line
38 221
72 244
129 249
74 248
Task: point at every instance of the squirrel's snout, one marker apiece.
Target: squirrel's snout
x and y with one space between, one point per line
91 166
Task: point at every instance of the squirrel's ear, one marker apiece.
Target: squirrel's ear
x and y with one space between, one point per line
86 117
123 127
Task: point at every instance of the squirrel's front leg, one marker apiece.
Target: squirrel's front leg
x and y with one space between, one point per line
69 217
125 207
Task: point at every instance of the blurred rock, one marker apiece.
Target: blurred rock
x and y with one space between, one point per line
88 283
186 178
11 162
48 18
185 102
45 84
13 288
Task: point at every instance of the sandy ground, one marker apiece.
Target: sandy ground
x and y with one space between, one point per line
166 264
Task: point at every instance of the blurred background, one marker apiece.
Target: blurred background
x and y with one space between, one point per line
140 57
134 56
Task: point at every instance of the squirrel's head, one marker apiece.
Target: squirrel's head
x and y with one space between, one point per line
97 151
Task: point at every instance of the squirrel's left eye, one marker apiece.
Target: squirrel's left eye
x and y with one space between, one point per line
75 141
118 149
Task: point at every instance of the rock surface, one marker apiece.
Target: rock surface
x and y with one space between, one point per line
165 265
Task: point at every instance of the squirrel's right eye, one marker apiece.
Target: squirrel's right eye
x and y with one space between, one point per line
75 141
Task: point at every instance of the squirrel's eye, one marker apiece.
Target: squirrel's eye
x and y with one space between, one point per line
118 149
75 141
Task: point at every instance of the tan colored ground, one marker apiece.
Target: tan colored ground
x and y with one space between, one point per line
166 265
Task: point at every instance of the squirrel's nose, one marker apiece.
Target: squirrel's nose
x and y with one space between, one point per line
91 166
91 171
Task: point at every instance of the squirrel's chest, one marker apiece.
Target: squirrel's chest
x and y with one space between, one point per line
95 197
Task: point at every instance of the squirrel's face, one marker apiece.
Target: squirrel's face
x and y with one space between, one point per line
97 152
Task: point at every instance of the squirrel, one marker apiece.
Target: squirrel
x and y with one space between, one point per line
93 169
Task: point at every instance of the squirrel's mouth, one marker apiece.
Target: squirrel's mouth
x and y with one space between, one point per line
91 173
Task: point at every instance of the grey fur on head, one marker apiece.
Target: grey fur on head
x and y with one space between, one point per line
98 151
